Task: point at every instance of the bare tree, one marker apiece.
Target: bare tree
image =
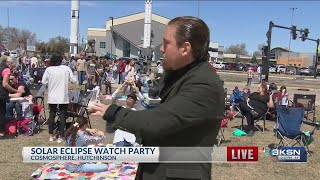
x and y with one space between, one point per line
14 36
258 52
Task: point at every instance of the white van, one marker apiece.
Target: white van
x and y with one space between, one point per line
13 54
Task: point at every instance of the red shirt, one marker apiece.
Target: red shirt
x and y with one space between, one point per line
122 67
6 71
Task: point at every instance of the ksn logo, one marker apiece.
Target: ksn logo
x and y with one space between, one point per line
290 154
242 154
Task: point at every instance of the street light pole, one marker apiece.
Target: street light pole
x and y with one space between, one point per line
293 9
198 8
111 37
8 17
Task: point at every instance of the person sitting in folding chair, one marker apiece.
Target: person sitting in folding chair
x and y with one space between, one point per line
18 84
256 106
235 99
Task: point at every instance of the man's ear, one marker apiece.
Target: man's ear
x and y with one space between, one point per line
186 49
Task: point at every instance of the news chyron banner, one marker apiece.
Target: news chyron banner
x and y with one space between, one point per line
141 154
232 154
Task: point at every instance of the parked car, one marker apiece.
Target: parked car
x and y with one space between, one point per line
292 70
281 69
13 54
240 67
219 65
230 66
272 69
253 68
307 71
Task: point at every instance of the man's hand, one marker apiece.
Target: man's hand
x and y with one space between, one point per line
97 109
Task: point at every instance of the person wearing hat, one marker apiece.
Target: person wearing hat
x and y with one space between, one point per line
121 137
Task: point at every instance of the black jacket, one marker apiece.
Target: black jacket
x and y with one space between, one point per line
190 113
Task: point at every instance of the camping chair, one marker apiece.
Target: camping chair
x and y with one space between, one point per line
78 107
257 121
237 97
79 101
38 98
288 126
223 125
308 103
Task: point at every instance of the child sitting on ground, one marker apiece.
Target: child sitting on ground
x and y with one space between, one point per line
79 135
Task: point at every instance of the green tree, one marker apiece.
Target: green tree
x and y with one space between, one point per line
58 44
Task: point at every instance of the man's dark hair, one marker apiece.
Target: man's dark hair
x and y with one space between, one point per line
55 60
196 32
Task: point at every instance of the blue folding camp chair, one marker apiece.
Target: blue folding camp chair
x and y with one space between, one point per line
236 98
288 127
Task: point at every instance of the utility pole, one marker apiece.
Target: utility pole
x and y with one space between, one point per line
198 8
293 9
8 17
265 68
111 37
316 61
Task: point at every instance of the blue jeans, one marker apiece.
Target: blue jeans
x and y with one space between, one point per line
122 77
249 81
80 77
260 77
9 110
86 167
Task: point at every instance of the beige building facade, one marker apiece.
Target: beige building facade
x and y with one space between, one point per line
123 36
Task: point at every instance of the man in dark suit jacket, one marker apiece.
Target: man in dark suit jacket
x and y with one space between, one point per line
191 108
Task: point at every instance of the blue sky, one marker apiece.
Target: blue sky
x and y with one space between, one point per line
230 22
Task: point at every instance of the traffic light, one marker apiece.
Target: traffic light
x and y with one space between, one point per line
305 34
294 32
264 50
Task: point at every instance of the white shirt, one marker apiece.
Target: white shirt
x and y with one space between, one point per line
34 61
57 78
121 135
160 69
259 70
130 71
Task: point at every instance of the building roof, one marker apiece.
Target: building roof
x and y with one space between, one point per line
280 48
135 17
133 32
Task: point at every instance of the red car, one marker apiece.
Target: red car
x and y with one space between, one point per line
253 68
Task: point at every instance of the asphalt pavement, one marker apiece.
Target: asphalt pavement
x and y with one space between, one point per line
295 81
